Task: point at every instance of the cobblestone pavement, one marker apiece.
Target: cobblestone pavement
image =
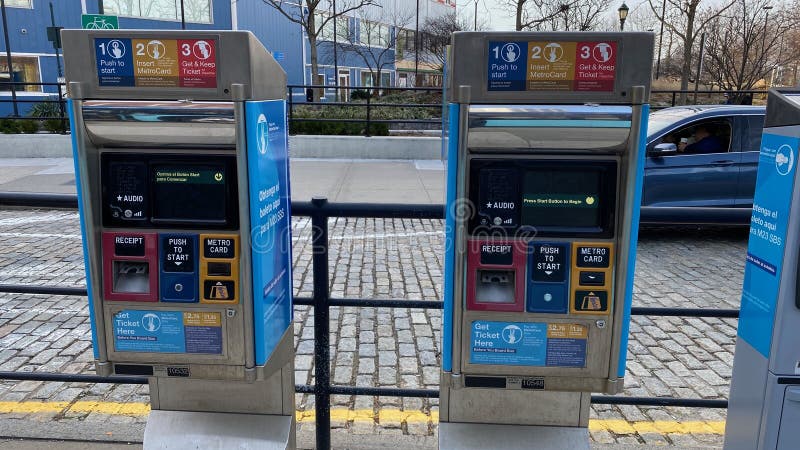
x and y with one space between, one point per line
668 356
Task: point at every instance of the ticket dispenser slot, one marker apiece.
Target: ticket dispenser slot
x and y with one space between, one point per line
496 272
128 269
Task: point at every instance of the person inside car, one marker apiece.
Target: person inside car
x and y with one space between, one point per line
705 141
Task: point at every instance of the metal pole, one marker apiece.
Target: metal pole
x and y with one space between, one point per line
335 53
322 373
661 37
58 52
475 25
699 65
416 49
8 60
183 17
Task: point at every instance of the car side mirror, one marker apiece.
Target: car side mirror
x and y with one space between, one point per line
664 149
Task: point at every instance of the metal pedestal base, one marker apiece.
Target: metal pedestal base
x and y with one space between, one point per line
467 436
177 430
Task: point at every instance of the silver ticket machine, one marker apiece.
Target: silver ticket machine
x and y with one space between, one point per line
544 172
180 149
764 406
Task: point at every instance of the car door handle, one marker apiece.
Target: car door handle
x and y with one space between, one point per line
724 162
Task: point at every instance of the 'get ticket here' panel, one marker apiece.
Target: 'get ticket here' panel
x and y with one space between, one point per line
169 63
552 66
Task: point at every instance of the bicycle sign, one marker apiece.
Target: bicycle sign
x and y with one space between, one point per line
99 22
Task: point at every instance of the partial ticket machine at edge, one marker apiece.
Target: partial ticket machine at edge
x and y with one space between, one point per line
180 149
764 406
544 172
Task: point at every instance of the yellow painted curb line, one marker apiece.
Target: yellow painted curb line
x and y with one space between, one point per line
383 417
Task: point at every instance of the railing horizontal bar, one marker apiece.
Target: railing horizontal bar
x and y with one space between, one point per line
371 210
392 303
659 401
372 105
685 312
360 390
384 392
386 303
70 378
45 290
38 200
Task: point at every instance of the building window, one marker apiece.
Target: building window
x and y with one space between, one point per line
374 34
19 3
25 70
342 28
197 11
405 43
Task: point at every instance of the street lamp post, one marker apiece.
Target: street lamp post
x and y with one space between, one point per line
623 14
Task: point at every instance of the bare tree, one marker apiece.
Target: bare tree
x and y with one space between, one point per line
579 15
313 16
687 19
743 48
530 14
436 34
376 38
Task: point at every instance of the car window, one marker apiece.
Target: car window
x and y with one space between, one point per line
700 137
752 139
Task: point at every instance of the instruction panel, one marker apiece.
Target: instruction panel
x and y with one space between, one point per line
552 66
184 63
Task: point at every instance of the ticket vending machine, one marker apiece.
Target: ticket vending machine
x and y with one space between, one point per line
764 405
180 150
544 173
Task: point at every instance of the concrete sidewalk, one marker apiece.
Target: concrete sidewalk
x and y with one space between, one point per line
341 180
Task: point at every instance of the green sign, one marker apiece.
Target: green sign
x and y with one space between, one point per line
99 22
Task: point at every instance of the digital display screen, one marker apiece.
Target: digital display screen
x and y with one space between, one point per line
189 193
562 198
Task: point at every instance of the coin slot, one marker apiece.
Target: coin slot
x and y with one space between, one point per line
131 277
495 286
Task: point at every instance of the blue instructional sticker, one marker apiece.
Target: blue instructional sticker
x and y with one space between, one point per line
528 344
168 331
149 331
114 59
268 170
776 167
507 66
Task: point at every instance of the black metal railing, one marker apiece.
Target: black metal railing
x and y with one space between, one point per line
367 109
320 211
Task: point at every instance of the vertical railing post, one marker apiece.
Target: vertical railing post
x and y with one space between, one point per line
62 110
673 98
322 373
291 107
369 94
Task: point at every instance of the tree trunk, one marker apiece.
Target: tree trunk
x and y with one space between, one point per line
520 5
688 43
312 42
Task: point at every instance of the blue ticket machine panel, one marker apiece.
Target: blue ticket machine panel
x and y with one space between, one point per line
184 204
764 405
544 169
